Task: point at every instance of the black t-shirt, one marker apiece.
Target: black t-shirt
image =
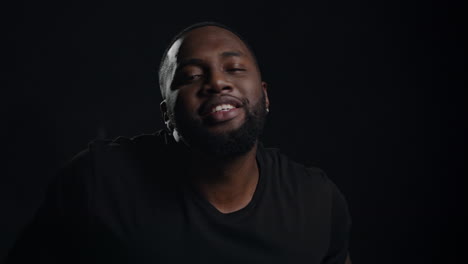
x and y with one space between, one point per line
127 201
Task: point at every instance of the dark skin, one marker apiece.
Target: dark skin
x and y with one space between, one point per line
209 62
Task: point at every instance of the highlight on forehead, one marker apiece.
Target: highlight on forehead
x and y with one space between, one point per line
184 62
174 46
198 39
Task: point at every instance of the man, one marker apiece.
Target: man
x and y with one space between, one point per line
205 190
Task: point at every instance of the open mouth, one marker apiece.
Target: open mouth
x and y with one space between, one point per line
221 109
220 104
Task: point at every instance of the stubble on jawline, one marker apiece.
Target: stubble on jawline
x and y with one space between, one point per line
224 145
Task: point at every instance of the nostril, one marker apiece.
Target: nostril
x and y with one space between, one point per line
214 88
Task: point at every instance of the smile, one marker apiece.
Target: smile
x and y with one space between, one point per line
219 104
223 107
221 114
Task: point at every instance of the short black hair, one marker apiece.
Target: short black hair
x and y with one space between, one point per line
185 31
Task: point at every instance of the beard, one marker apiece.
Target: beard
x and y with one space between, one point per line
228 144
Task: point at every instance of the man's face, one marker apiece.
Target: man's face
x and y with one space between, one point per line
215 98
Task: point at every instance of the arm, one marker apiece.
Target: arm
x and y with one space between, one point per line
340 229
38 242
49 236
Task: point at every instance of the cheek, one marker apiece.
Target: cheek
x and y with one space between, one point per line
186 104
252 90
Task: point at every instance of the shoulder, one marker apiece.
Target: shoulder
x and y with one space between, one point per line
321 200
309 184
144 142
293 171
105 148
103 155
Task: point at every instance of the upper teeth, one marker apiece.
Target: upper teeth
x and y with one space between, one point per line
223 107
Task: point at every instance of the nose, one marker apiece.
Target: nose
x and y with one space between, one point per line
216 83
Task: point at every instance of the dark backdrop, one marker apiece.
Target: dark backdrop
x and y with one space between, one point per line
372 92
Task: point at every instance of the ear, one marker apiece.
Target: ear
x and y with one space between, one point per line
165 116
265 88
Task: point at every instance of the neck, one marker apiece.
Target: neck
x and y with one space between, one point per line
227 183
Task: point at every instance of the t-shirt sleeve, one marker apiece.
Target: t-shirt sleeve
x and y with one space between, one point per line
340 228
47 238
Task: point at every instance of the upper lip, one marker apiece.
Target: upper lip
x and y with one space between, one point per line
215 101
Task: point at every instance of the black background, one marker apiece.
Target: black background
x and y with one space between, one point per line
370 91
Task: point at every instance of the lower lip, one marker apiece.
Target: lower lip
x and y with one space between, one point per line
222 116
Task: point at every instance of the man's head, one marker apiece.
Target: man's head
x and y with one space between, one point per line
214 98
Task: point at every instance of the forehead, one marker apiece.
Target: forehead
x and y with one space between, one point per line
205 42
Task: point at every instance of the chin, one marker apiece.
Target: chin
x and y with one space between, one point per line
223 141
225 128
231 138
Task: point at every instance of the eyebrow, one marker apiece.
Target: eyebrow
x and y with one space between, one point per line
193 61
232 54
200 62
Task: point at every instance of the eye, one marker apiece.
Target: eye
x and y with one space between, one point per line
189 78
189 73
235 70
193 77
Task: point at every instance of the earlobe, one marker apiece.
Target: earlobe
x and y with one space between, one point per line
165 116
163 108
265 92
